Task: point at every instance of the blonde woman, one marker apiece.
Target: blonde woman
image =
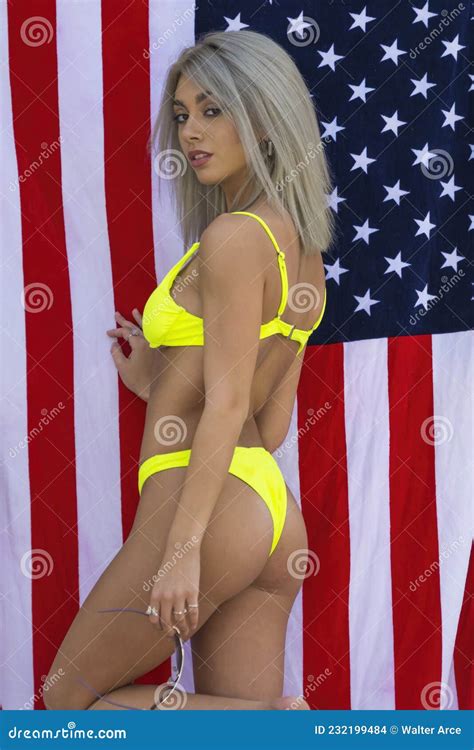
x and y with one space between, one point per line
217 356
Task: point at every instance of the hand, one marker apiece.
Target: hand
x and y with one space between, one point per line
176 588
136 370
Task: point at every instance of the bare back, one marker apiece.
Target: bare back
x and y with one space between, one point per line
177 396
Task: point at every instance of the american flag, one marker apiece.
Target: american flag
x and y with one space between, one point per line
379 453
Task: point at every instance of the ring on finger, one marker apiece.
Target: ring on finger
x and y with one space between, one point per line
182 612
134 332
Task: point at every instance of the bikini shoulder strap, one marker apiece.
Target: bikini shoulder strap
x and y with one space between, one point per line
281 259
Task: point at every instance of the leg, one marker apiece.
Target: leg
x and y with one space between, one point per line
109 650
142 696
240 650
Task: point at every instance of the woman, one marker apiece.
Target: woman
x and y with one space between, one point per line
218 362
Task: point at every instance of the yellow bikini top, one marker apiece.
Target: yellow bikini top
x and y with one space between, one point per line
166 323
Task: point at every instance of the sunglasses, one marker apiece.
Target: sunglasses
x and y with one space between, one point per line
168 688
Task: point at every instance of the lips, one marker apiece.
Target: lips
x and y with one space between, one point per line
198 154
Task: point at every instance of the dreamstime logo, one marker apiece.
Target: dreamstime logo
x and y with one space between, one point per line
312 418
176 701
47 417
37 297
181 550
445 553
436 430
36 31
308 33
437 695
448 17
303 297
446 285
46 150
168 303
170 430
36 563
313 683
303 563
166 35
47 683
440 165
170 163
295 171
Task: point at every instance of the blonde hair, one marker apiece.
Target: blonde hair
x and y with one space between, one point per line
257 84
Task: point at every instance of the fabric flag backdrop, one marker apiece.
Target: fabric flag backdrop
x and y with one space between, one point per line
380 447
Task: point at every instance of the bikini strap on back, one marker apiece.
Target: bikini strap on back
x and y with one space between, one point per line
281 259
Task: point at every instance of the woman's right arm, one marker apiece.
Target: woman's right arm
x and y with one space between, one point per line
273 419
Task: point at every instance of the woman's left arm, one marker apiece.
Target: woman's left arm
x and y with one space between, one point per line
231 280
231 284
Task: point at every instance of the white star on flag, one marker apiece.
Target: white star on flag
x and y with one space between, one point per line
424 226
361 161
396 265
234 24
361 20
423 297
364 231
394 193
452 259
421 86
335 270
365 302
329 58
423 15
392 52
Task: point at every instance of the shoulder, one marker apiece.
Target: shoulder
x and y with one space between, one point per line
231 242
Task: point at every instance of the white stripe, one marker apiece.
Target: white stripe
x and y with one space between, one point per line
95 375
289 465
453 376
370 592
16 681
171 28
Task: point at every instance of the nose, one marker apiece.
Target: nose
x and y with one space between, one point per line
192 130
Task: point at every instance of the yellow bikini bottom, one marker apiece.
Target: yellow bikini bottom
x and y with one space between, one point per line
256 466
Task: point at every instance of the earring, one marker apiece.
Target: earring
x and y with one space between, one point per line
269 148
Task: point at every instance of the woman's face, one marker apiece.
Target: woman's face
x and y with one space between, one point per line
201 125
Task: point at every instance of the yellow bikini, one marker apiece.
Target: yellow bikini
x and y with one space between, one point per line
256 466
166 323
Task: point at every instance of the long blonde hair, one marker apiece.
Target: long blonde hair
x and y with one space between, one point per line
257 84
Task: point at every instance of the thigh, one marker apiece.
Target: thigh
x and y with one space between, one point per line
109 650
240 650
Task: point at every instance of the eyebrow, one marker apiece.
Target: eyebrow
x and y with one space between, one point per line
198 98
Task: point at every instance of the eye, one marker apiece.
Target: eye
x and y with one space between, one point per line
182 114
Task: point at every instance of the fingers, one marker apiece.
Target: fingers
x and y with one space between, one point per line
176 611
126 325
123 321
166 617
137 317
126 334
193 615
123 332
179 616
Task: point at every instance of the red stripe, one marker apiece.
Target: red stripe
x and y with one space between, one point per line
126 80
49 343
414 531
324 498
464 647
